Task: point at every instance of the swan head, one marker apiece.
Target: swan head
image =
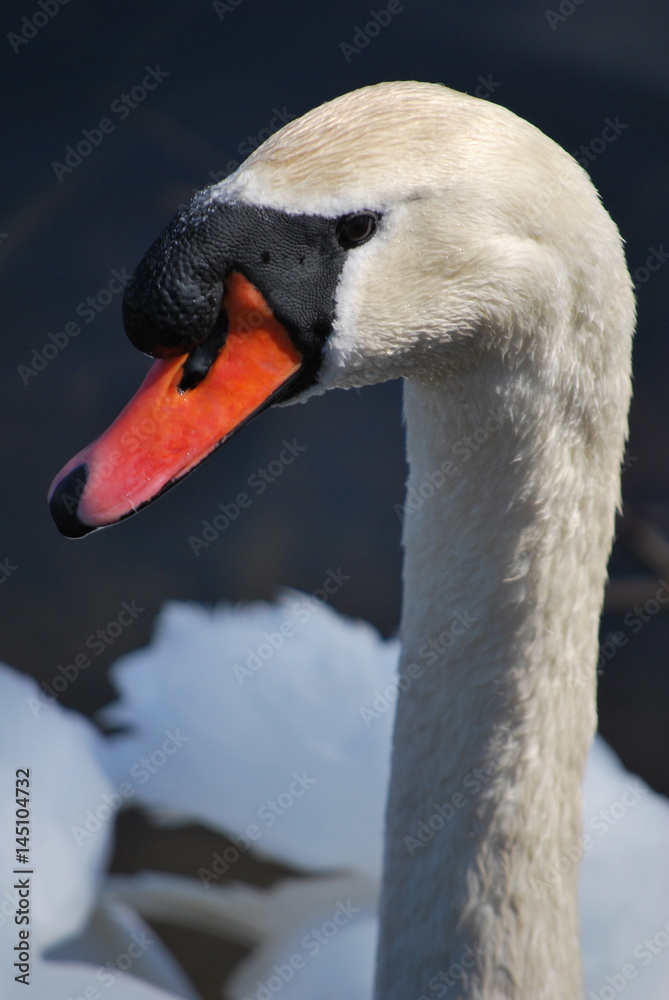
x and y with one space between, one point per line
401 230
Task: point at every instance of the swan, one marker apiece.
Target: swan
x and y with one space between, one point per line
408 231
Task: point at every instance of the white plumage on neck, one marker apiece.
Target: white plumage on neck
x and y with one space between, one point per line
502 591
515 542
497 287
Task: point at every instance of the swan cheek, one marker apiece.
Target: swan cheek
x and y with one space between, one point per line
165 432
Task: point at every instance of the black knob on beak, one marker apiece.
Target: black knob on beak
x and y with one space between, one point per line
174 298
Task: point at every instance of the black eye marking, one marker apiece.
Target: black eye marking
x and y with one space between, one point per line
354 230
264 256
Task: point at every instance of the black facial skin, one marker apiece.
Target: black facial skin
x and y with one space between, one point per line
173 304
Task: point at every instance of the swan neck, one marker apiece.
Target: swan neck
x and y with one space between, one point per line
507 529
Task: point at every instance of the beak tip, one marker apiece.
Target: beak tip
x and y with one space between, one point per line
64 503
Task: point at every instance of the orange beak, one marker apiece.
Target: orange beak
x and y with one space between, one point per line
165 432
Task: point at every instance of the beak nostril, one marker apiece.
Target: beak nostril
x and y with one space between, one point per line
202 357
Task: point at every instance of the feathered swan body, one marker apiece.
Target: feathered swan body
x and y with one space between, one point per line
495 284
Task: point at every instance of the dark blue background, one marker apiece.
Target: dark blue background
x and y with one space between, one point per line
334 506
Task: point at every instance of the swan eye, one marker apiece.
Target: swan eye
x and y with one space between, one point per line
353 230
